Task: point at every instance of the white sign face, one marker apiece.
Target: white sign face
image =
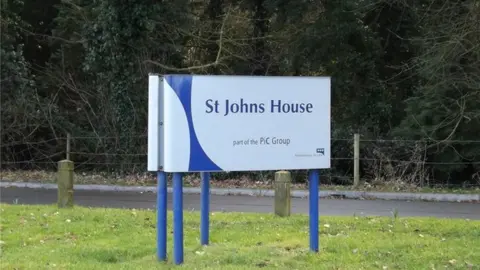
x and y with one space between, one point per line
238 123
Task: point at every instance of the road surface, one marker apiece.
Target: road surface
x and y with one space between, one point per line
328 207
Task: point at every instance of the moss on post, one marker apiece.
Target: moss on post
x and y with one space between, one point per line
283 180
65 183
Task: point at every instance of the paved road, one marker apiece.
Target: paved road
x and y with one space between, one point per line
333 207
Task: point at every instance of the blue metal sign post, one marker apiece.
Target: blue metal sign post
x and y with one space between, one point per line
162 216
204 208
313 177
178 218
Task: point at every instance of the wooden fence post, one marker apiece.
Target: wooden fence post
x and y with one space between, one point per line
283 181
65 183
68 147
356 160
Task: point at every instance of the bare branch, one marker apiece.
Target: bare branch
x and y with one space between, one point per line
217 61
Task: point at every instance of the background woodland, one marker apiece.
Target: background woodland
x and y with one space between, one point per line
405 75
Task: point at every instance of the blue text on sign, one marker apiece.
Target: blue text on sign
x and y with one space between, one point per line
276 106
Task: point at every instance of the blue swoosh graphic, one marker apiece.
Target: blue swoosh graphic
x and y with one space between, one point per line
182 86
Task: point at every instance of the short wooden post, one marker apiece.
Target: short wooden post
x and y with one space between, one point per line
283 180
356 160
65 183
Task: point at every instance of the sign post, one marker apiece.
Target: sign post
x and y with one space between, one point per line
313 208
249 115
204 208
162 216
178 218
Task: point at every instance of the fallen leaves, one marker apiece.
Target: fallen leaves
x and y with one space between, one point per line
148 179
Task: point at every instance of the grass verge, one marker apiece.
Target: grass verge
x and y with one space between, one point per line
148 179
44 237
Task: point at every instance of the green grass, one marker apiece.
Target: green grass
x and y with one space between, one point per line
44 237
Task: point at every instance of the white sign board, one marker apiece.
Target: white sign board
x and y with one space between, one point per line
201 123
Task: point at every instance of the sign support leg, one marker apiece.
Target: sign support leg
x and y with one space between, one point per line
161 216
204 205
314 175
178 218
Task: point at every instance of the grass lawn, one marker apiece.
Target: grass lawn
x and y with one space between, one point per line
44 237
